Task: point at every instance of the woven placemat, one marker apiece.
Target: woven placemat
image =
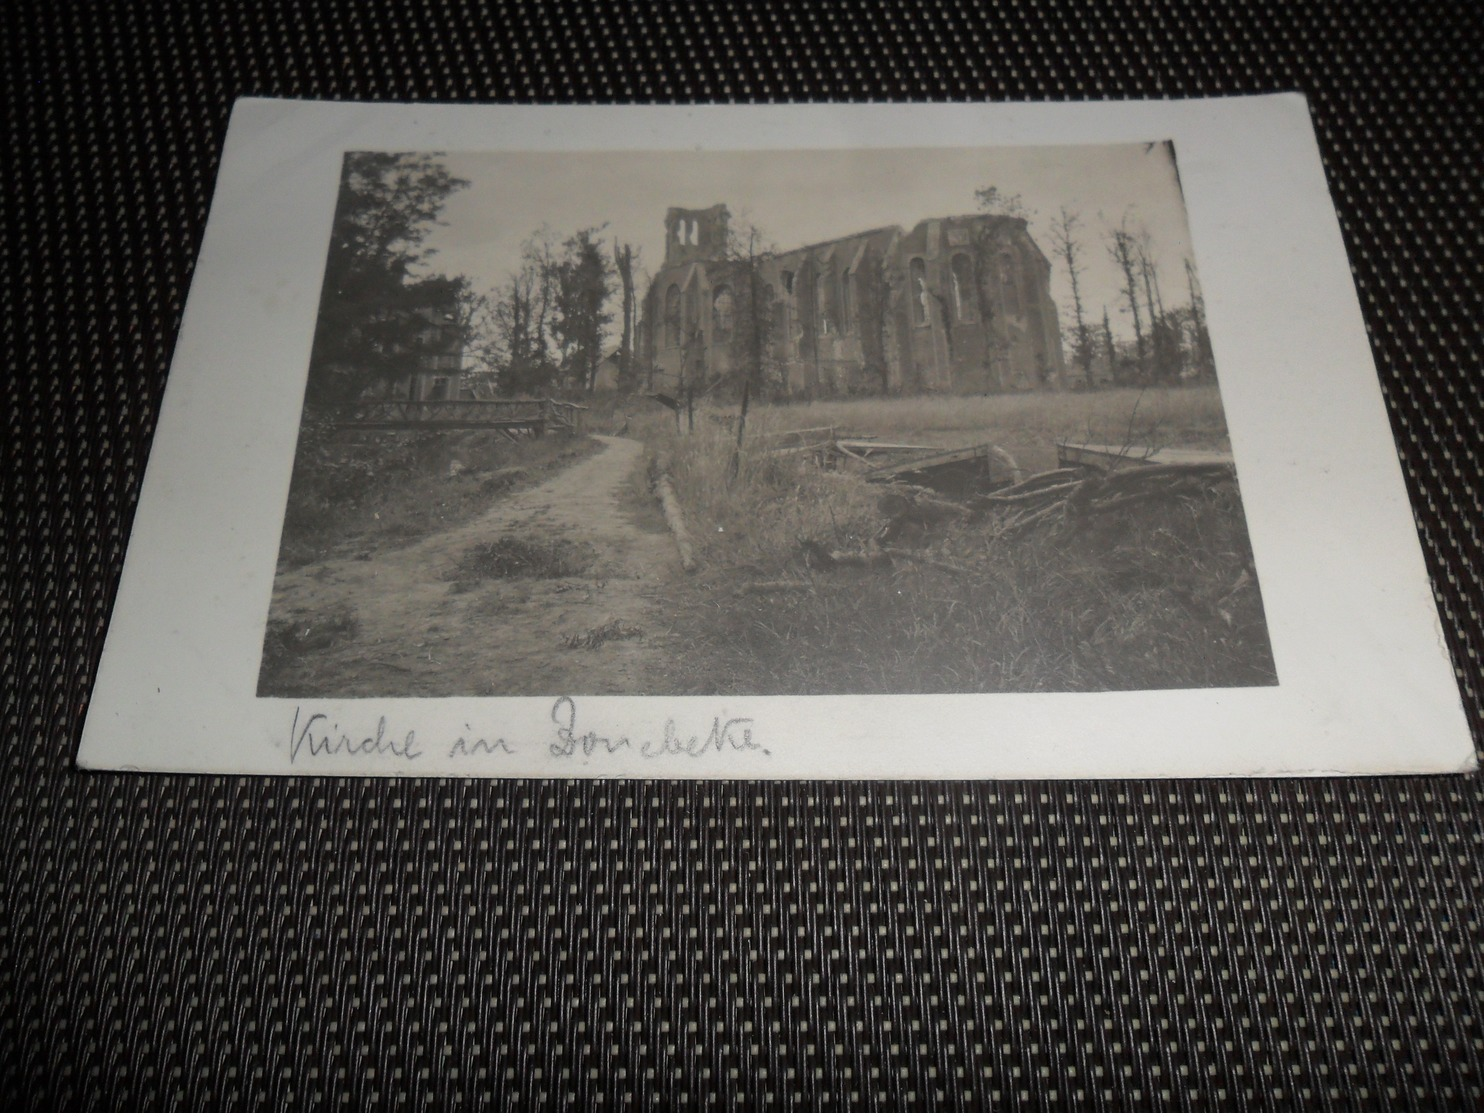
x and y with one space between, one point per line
197 942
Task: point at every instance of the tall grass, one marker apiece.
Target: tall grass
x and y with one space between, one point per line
753 520
1155 597
1158 599
1026 425
353 493
758 517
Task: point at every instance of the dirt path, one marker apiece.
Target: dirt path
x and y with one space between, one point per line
420 632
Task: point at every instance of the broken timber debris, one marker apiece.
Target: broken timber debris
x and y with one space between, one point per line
912 511
966 469
1092 492
1106 456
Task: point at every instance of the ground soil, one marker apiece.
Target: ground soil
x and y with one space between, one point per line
407 624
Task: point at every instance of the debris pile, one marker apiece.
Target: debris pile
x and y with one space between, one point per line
1071 497
1061 500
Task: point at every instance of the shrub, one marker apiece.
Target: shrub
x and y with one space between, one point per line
509 557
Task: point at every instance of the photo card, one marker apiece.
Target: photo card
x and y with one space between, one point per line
774 442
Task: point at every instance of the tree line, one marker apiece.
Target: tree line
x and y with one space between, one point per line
1169 344
547 328
383 311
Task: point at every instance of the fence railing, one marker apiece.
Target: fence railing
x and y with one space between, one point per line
536 415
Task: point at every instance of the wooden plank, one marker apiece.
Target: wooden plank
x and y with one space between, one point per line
963 470
864 446
1106 456
533 416
849 453
929 461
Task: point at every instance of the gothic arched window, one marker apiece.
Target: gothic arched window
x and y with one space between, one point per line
692 317
847 302
723 313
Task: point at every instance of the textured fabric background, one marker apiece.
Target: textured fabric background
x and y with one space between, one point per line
311 943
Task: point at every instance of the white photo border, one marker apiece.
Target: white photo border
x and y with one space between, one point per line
1366 685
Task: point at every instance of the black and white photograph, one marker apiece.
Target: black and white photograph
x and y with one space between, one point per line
790 442
808 422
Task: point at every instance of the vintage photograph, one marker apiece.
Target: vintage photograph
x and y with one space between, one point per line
786 422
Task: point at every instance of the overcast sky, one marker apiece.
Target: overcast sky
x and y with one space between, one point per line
800 197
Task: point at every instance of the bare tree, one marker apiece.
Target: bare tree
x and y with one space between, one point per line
1157 362
1064 240
483 349
994 201
518 320
1123 248
1164 336
623 262
1108 346
756 326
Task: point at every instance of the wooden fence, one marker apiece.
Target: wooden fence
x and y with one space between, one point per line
514 417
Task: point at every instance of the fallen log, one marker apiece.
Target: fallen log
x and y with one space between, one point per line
673 515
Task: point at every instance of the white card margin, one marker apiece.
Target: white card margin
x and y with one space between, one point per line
1366 684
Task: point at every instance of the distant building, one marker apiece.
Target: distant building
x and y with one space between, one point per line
606 379
957 304
438 357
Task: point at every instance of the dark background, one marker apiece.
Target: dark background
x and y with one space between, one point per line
195 941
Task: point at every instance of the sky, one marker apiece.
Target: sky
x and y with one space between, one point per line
798 197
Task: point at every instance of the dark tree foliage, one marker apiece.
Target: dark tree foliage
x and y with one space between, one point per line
368 332
520 317
995 202
584 285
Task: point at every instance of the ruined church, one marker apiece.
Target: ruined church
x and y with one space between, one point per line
956 304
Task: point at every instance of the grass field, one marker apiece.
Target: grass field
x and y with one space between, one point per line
1026 425
353 493
1153 597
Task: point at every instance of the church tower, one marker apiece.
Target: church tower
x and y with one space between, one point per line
695 234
